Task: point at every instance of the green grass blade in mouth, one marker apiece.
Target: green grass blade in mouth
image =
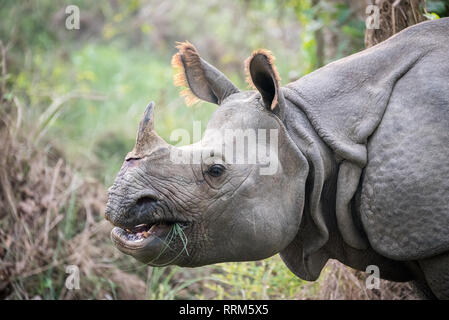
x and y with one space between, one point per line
175 231
170 235
182 236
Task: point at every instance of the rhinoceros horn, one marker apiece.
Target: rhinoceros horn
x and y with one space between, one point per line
147 139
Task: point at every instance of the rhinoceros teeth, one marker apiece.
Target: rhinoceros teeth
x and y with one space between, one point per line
144 231
138 232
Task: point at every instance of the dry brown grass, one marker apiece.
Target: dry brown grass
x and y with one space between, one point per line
51 217
339 282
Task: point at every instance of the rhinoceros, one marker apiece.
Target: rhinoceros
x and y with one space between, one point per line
361 172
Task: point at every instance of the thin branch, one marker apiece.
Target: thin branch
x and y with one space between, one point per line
3 50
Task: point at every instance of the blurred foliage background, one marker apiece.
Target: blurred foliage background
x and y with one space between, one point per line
120 58
71 103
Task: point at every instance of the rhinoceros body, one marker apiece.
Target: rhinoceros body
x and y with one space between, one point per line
362 177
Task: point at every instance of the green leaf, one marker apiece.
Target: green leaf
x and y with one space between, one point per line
432 16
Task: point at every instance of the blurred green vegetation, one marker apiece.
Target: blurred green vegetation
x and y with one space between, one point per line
98 80
119 60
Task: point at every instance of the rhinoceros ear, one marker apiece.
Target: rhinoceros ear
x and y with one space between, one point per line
262 75
201 80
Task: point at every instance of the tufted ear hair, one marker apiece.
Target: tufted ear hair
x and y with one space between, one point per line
262 75
200 79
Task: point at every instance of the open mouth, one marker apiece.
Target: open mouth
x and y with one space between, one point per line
157 244
153 240
141 234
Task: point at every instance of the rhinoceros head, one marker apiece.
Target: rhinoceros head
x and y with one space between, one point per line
236 195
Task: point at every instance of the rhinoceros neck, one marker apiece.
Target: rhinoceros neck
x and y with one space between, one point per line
322 177
319 236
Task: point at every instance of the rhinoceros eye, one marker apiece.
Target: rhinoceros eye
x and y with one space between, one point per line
216 170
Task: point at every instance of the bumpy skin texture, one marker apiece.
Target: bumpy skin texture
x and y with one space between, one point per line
405 205
363 172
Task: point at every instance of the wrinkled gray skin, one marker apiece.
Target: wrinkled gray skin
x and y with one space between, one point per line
363 171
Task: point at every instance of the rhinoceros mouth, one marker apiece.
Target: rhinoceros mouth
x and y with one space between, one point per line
138 236
153 238
142 234
151 243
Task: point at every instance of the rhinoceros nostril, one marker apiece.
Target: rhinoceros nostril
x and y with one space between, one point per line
145 201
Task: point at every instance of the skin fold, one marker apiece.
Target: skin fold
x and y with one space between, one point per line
361 159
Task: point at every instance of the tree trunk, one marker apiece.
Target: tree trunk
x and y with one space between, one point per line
395 15
319 38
